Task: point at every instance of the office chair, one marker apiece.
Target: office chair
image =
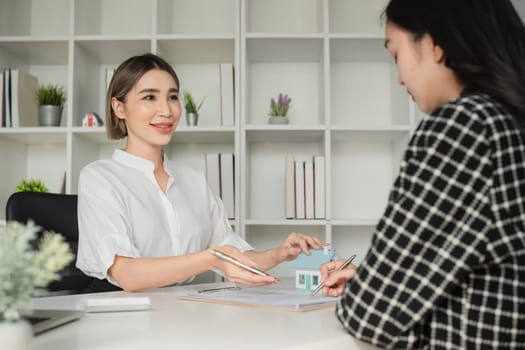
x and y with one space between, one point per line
56 212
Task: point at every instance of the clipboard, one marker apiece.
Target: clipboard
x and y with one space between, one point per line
264 298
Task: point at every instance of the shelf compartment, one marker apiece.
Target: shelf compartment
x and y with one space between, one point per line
34 18
45 59
356 16
44 156
113 17
265 171
364 166
290 66
364 85
92 58
294 16
197 64
196 16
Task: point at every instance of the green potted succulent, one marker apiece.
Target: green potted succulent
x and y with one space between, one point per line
192 108
31 185
279 109
51 100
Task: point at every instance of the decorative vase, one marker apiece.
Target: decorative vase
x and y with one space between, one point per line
16 335
49 115
278 120
192 119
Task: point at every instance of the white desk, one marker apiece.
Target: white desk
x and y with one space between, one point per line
177 324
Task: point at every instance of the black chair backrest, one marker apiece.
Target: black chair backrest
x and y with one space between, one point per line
55 212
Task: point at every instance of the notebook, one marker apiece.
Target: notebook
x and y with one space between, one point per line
43 320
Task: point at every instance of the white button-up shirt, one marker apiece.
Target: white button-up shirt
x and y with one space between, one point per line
123 211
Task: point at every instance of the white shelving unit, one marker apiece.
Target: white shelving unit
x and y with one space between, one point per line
328 55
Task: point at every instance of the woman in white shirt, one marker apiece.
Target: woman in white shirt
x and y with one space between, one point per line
144 222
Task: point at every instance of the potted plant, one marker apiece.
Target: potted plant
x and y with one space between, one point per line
31 185
26 271
279 109
191 108
51 100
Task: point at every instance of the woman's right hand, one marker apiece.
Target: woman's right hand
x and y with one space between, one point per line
237 274
335 281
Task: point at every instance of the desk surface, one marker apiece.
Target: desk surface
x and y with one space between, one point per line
171 323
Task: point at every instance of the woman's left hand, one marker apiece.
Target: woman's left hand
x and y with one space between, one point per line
296 243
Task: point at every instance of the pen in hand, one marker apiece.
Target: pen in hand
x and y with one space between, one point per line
342 267
236 262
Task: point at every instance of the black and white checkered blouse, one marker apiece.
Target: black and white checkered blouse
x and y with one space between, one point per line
446 269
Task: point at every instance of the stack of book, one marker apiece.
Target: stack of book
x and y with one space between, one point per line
220 173
18 102
305 188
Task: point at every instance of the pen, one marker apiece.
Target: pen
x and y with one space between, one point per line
236 262
212 290
342 267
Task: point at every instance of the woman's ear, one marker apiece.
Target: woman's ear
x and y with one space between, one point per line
439 54
118 108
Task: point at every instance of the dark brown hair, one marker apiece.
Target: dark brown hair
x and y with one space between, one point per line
125 77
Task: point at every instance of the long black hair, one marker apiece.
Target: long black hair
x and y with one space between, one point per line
483 42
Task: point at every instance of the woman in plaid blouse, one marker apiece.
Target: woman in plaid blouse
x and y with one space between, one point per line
446 268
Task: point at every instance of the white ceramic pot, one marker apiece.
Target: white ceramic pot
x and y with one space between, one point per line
278 120
16 335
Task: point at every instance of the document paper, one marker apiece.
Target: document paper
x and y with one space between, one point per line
264 297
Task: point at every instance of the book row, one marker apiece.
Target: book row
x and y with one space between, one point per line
220 173
305 188
18 98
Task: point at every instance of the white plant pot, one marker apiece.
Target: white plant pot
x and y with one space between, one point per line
16 335
278 120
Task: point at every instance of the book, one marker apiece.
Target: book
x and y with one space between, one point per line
319 189
24 108
228 184
2 106
299 190
213 172
7 96
289 187
309 189
271 298
227 94
109 76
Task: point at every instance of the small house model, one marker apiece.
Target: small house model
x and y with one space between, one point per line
307 273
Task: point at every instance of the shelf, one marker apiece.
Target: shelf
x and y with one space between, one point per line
34 135
278 133
197 51
327 55
285 222
284 49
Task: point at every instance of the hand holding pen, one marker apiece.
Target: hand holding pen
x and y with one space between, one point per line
247 274
334 275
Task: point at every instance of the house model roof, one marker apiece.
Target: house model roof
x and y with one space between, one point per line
316 258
